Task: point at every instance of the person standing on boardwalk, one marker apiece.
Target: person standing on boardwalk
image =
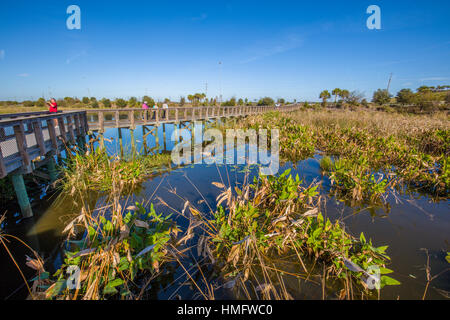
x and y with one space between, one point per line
53 108
155 107
165 107
52 105
144 110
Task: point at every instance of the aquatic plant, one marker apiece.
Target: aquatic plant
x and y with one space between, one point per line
117 249
278 215
97 171
355 180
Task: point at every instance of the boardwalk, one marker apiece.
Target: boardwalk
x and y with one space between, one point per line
29 141
27 136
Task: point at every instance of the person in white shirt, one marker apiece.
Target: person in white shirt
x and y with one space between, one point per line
165 106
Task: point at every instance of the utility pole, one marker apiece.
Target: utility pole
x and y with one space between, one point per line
389 83
220 81
206 88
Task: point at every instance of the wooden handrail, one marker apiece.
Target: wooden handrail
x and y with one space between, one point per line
22 139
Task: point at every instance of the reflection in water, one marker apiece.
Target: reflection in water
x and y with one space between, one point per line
411 222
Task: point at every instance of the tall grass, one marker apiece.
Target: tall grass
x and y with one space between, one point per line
406 149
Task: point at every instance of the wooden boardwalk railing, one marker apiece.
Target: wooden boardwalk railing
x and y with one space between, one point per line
23 139
101 119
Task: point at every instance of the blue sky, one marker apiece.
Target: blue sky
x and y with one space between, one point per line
291 49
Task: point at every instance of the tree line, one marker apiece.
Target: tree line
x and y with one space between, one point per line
425 97
197 99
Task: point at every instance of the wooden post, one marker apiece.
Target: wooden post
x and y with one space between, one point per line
22 196
62 129
70 127
145 115
117 117
131 116
176 115
86 124
101 121
77 125
19 132
3 172
52 134
120 142
39 137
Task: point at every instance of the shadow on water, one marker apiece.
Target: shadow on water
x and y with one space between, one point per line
408 223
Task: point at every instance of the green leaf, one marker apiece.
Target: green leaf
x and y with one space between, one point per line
362 238
382 249
388 281
385 270
59 286
109 290
114 283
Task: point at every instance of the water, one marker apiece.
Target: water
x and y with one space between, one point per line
407 224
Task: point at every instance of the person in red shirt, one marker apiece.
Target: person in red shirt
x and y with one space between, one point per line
53 106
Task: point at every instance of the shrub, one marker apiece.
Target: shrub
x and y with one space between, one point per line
120 103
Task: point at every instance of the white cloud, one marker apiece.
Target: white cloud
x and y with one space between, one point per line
2 54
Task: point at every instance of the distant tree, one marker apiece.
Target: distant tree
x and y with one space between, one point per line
28 103
336 92
424 89
324 95
240 102
266 101
94 103
230 103
149 100
405 96
120 103
93 99
381 96
132 102
40 102
85 100
106 103
281 101
344 94
182 101
69 101
355 98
